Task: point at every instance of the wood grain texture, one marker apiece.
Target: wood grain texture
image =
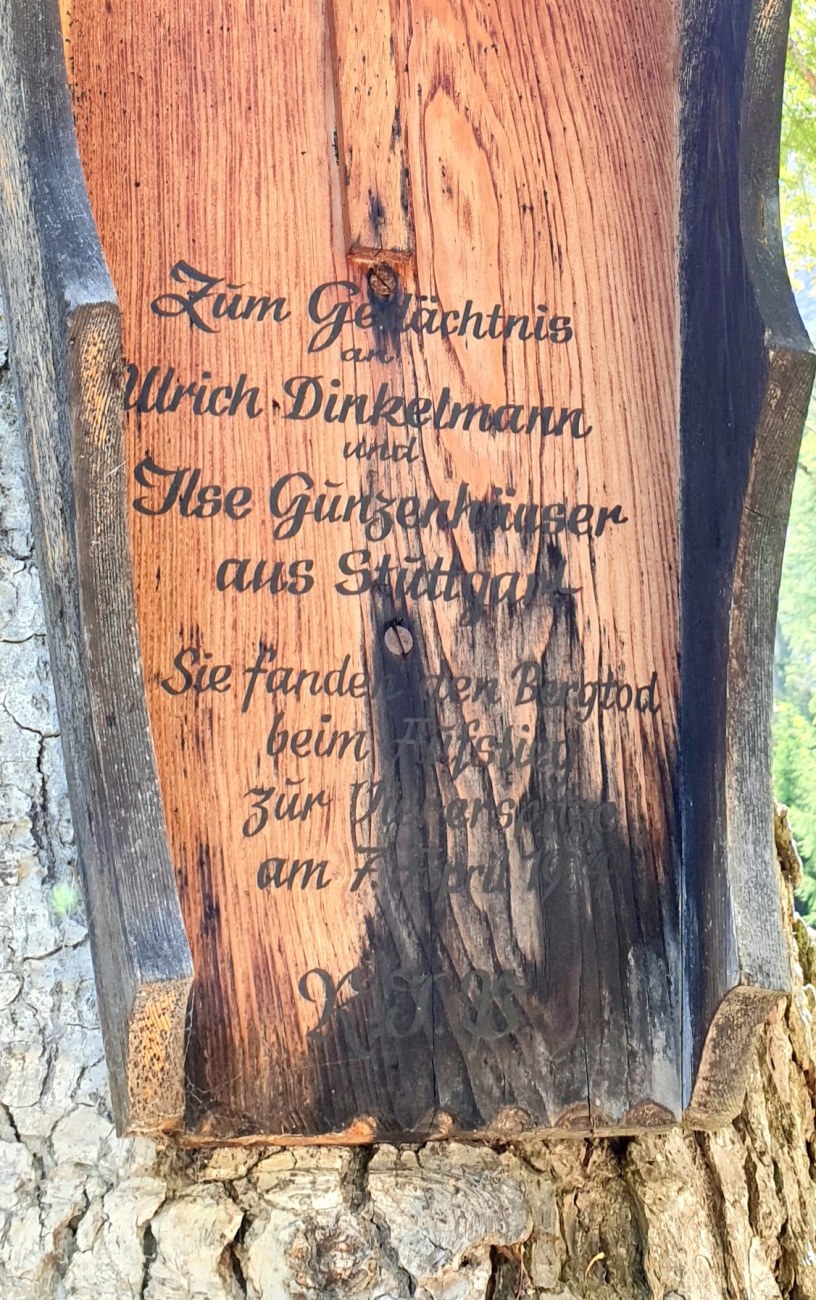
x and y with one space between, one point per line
523 885
370 141
529 192
64 320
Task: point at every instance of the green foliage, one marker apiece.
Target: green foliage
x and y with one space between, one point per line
65 899
795 668
796 630
795 672
798 155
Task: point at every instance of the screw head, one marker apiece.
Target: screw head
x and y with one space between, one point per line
398 640
382 280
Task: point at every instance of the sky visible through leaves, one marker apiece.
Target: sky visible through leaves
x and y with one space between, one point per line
795 662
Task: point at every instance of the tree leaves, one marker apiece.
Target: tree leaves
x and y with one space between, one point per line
795 665
798 146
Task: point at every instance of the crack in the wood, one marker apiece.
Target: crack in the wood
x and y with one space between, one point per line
356 1177
38 818
361 1202
31 731
150 1250
232 1255
54 952
588 1085
703 1143
8 1115
65 1238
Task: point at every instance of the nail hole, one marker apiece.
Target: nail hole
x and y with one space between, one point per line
398 640
382 280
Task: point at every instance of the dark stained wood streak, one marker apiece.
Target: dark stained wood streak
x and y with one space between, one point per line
521 181
746 379
64 321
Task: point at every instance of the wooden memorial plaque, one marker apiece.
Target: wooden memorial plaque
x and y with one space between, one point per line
462 388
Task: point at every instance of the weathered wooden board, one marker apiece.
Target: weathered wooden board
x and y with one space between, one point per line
746 381
64 325
463 389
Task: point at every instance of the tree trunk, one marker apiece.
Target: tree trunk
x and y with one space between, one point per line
680 1216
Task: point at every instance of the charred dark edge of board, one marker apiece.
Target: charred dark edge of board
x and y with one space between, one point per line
65 330
747 371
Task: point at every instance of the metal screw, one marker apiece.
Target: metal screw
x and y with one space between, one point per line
398 640
382 280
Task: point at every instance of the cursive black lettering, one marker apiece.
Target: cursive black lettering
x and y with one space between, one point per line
195 303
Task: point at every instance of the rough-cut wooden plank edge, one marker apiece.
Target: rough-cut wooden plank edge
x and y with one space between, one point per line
66 349
156 1030
728 1055
754 967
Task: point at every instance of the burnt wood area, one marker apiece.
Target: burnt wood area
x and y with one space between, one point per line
410 562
